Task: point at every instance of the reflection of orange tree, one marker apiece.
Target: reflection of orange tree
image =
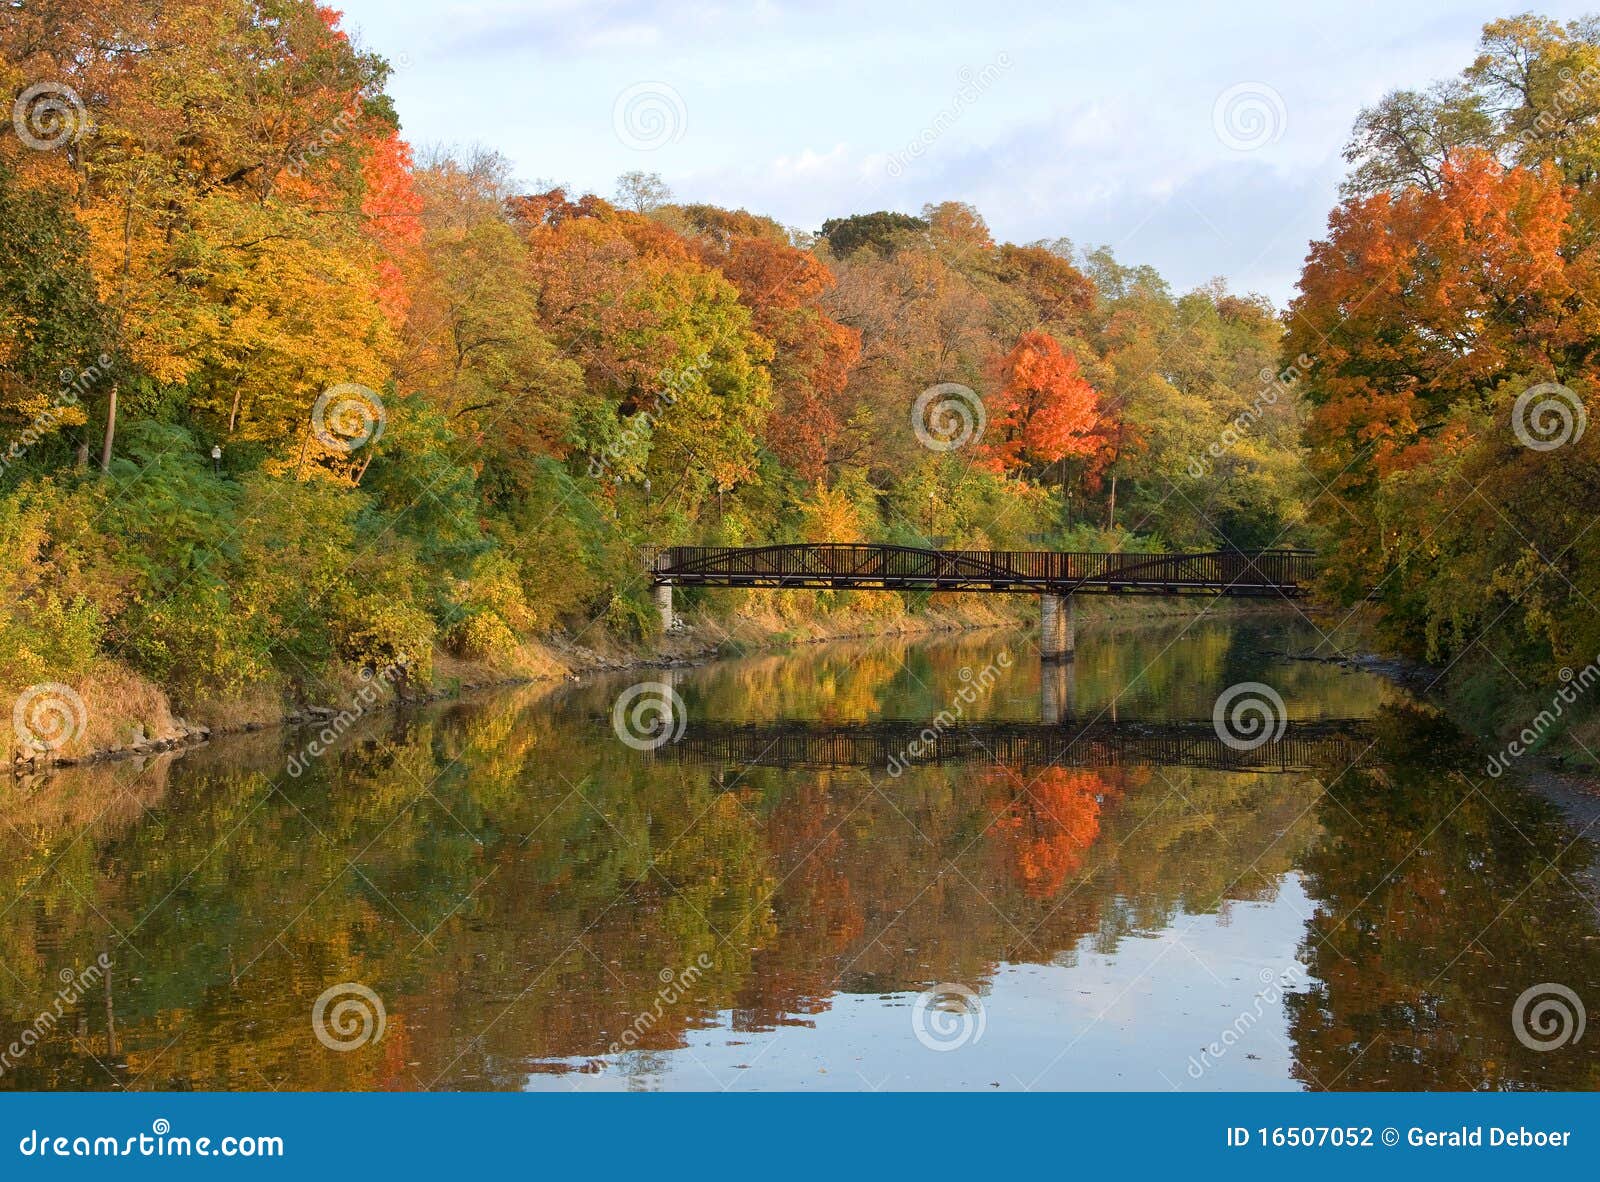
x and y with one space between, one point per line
1045 822
556 878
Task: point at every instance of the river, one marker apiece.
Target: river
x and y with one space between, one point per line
875 865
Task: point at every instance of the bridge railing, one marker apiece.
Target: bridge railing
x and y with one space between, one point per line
867 563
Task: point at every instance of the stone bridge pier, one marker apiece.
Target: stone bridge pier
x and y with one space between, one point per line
1057 627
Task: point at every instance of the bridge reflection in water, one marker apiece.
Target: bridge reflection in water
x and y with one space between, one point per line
1292 746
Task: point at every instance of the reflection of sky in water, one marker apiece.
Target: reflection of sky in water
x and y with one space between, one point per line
1131 1020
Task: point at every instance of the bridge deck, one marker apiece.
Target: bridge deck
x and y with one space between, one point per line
871 566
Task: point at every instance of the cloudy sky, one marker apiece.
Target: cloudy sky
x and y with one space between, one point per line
1201 138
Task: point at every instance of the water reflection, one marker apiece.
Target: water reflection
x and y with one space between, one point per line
539 905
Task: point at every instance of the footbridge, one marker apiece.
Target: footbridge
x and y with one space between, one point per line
1057 577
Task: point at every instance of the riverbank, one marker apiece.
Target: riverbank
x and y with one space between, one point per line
113 713
1544 733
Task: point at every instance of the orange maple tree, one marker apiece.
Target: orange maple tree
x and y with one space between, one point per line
1043 409
1419 300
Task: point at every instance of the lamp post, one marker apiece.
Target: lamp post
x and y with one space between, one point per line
930 517
216 459
647 496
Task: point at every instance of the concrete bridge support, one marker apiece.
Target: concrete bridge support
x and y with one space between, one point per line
662 593
1057 627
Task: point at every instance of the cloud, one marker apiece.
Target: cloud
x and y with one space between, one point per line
561 28
1092 173
1101 128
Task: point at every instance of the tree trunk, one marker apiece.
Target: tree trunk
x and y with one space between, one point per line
111 430
1111 505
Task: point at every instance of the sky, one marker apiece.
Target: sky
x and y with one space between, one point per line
1202 139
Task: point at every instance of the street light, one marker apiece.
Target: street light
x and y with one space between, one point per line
930 517
216 459
647 495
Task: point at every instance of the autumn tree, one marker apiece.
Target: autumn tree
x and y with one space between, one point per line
1427 312
664 341
1042 410
473 342
52 326
884 232
1532 96
784 286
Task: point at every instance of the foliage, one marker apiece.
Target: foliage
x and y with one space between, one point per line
549 382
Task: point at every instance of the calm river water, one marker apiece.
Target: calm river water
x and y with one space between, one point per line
823 882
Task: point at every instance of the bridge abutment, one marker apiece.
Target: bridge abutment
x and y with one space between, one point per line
1057 627
662 593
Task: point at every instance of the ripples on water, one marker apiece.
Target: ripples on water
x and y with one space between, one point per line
538 905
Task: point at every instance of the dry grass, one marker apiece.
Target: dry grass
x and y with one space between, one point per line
119 709
260 703
533 661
